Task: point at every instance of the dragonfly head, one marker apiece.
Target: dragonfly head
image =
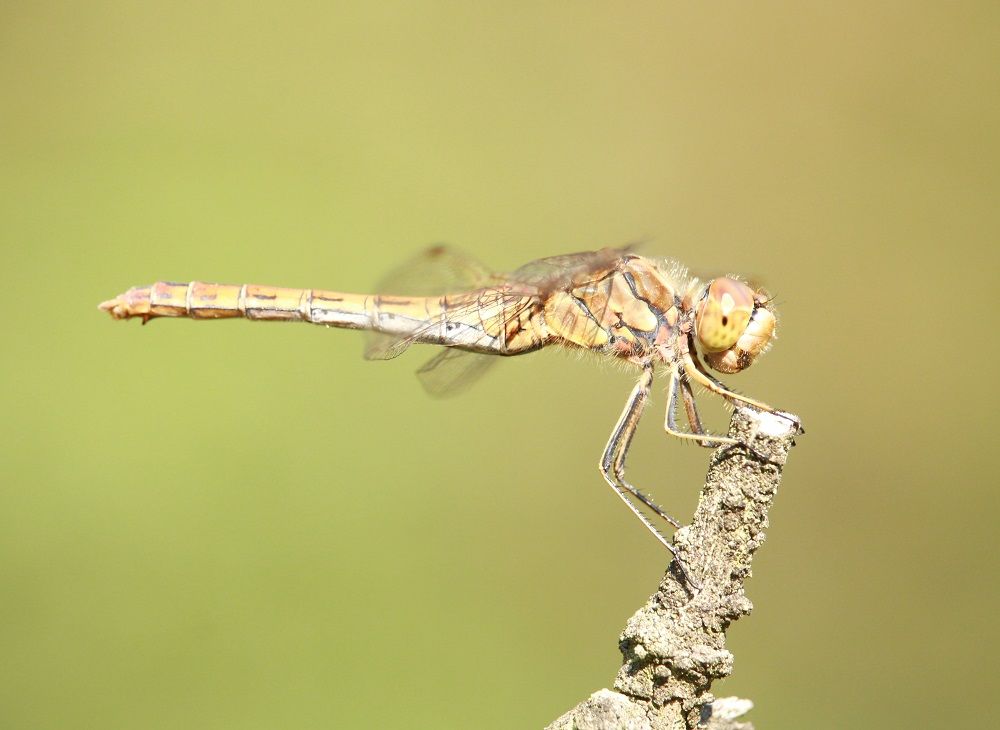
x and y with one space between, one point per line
733 324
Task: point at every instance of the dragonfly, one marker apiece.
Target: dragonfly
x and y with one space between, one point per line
645 312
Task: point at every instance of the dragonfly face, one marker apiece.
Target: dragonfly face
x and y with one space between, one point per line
733 323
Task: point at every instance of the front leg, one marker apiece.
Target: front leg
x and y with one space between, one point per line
694 369
703 438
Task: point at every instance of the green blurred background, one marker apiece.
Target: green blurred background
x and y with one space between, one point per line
218 525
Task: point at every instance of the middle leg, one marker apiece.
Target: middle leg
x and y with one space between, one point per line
691 410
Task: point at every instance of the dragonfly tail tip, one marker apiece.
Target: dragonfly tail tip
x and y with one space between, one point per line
118 308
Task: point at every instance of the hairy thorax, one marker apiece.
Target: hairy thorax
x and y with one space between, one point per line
626 310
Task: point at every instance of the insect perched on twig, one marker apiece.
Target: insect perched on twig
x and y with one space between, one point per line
647 312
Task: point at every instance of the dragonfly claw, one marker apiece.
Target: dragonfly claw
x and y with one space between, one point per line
793 418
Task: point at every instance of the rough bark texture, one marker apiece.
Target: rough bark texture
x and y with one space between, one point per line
674 647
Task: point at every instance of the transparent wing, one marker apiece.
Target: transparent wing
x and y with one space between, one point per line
506 304
438 270
442 270
451 371
559 272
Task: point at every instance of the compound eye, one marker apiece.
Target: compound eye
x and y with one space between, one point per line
723 314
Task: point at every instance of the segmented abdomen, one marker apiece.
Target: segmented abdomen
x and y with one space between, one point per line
490 320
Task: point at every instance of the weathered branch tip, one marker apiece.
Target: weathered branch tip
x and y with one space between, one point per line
674 647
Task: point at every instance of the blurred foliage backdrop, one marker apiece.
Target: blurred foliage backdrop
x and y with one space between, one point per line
209 525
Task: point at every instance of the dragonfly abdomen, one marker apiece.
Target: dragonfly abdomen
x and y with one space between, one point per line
481 321
201 300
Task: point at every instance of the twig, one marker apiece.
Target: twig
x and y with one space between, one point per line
674 647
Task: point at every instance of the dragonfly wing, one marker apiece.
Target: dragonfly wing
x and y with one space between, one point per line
379 346
452 371
439 269
561 272
494 311
443 270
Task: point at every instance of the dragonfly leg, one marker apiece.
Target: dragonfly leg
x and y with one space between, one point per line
612 464
691 409
694 369
618 470
670 423
700 436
